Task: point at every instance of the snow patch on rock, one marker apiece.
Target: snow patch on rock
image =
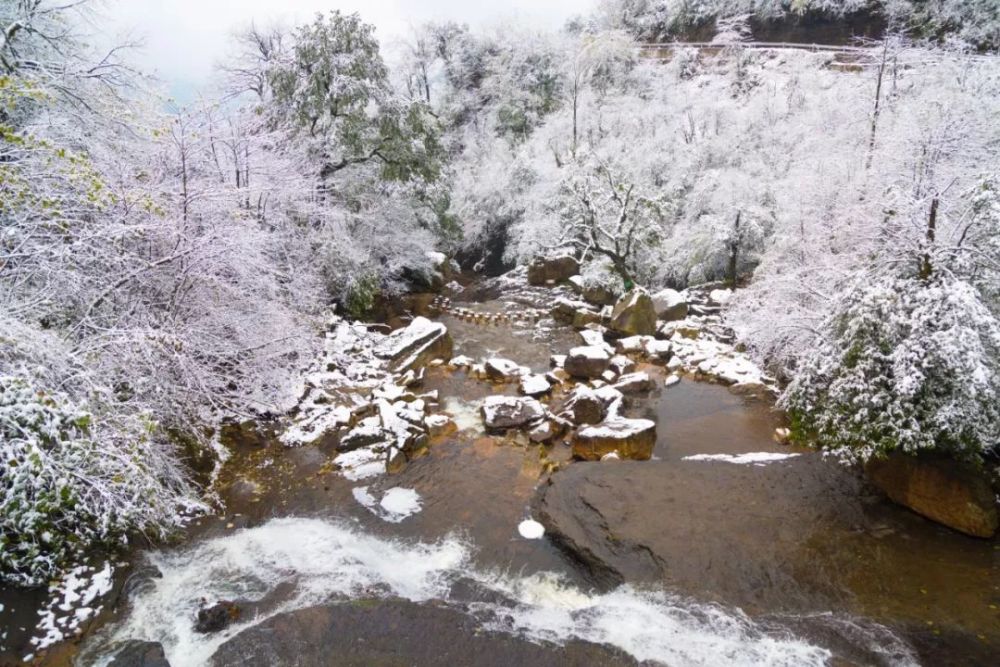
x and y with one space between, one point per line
361 463
71 603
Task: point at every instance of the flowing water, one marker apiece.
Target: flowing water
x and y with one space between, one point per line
757 557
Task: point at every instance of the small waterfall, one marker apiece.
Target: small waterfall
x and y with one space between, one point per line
293 563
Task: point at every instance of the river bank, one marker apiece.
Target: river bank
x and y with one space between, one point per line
725 546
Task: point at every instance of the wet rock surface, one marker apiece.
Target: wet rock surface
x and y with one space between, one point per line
781 539
395 633
954 494
726 543
140 654
216 617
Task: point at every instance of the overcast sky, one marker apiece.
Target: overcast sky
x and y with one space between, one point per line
185 38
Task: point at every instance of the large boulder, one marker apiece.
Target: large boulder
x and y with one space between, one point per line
585 317
629 438
670 305
441 272
544 270
599 295
634 383
504 412
138 653
502 370
216 617
757 536
634 315
951 493
587 361
565 310
676 523
394 631
586 406
535 385
415 345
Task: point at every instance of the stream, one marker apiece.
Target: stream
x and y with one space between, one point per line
702 555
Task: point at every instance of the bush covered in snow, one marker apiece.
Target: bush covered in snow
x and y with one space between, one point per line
904 364
600 274
68 483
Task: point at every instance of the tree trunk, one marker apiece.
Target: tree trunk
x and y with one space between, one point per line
574 118
926 268
878 101
734 251
621 268
184 184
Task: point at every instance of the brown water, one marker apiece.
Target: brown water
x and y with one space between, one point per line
802 543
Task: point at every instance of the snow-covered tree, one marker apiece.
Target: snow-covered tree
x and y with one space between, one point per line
977 22
596 62
602 214
334 87
905 364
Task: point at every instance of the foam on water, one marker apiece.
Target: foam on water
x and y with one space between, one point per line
649 625
465 415
751 458
319 561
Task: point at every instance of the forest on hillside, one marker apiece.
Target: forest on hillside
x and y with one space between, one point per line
164 268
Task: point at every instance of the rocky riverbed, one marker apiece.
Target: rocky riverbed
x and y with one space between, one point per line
519 476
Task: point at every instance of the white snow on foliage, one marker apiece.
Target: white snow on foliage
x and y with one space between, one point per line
905 363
